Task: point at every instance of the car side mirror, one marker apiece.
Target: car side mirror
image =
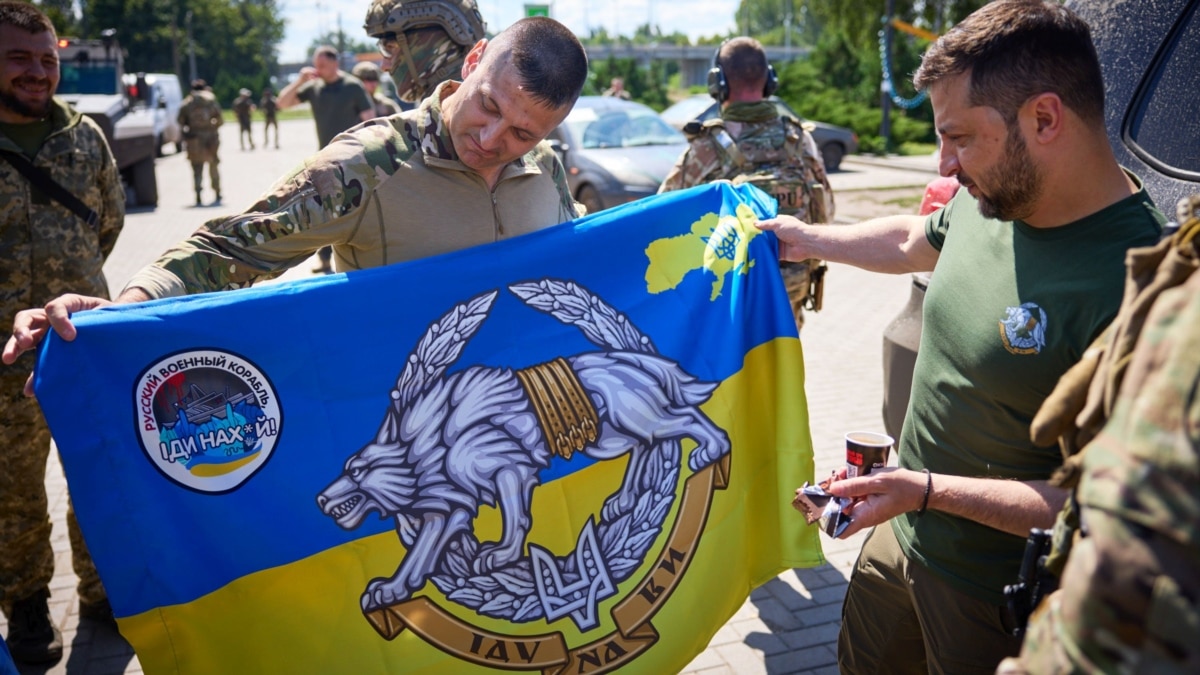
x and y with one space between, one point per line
162 103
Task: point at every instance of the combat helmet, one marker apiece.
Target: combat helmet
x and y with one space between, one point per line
426 40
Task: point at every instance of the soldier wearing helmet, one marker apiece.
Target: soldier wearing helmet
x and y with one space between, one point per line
369 74
423 42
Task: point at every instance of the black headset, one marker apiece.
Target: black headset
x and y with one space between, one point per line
718 86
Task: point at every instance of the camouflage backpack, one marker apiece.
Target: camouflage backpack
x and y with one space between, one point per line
202 114
775 158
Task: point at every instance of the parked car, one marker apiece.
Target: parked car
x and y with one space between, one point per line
615 151
833 141
1148 54
162 96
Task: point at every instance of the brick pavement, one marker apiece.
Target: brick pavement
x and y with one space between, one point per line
788 625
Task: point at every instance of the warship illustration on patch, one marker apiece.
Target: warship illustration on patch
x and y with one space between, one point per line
451 442
207 419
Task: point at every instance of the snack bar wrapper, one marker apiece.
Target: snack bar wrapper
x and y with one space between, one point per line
818 505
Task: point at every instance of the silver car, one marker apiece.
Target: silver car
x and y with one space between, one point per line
615 151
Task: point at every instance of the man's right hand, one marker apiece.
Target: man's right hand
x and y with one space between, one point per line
31 325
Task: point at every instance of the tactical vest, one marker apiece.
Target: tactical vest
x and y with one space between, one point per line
777 161
201 115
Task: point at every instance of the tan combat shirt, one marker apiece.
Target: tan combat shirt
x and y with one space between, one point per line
389 190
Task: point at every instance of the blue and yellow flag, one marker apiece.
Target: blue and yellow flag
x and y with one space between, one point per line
569 452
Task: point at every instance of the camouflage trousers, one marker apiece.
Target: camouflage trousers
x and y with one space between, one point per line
798 278
26 556
201 150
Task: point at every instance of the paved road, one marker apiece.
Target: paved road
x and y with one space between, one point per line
788 625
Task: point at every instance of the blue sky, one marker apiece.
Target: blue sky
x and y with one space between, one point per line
308 18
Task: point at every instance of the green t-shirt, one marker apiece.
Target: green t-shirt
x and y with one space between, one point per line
28 136
1008 310
336 105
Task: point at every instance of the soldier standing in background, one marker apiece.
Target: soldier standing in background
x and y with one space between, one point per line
243 106
339 101
751 142
616 89
1127 418
268 107
369 74
61 209
199 116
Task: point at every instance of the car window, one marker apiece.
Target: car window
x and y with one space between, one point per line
620 129
1165 138
688 109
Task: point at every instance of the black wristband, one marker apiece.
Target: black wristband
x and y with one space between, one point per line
928 489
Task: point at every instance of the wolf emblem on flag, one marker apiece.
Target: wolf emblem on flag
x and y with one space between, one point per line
449 443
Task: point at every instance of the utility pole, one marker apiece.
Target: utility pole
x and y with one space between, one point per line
885 126
175 45
191 49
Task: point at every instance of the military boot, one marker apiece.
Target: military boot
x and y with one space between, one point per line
32 635
198 202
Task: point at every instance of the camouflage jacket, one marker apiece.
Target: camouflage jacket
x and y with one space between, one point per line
1131 573
387 191
48 250
200 114
758 132
242 107
384 106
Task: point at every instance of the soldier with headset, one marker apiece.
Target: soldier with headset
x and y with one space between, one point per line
750 142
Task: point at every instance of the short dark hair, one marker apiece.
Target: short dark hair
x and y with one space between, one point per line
1017 49
548 57
744 61
325 51
25 16
199 85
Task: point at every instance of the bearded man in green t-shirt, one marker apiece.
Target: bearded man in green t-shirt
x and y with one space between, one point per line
1029 262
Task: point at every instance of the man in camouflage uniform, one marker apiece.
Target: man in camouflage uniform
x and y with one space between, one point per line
199 117
269 108
48 250
751 142
1128 420
369 74
460 170
423 42
243 106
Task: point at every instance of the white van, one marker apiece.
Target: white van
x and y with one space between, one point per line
163 96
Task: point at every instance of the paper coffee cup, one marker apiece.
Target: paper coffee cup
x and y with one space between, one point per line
866 451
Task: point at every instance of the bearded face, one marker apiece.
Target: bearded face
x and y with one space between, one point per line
1008 189
28 73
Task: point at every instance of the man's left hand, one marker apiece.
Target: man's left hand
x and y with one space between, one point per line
880 496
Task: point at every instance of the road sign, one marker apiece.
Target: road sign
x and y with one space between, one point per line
537 10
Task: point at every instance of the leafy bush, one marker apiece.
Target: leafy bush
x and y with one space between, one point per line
836 86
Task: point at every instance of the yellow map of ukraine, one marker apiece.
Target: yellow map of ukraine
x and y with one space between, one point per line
719 243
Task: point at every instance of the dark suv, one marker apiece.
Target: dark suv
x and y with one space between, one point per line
1149 53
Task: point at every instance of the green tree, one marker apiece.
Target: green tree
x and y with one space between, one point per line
234 41
343 42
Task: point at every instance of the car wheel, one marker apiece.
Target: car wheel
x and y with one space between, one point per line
590 198
832 154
